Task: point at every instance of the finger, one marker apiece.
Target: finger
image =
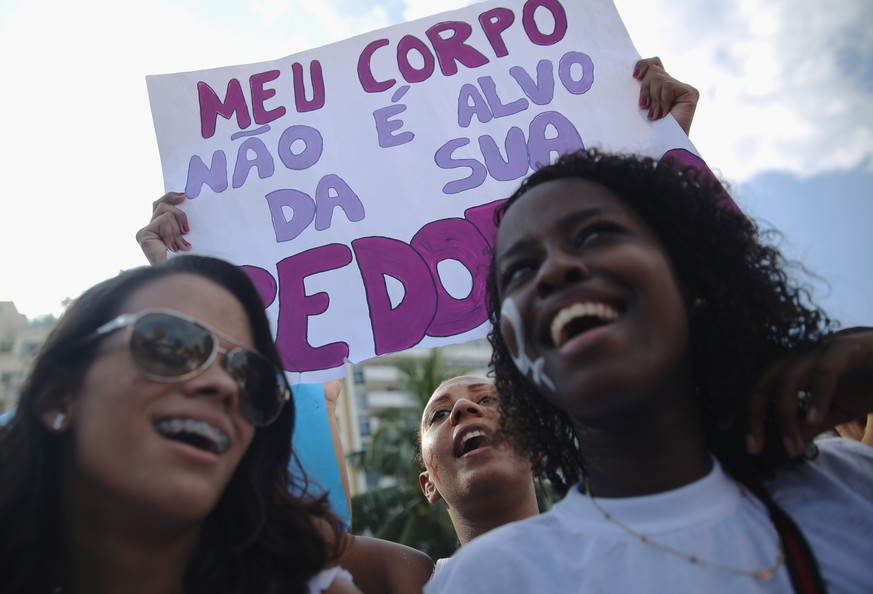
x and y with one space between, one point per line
642 66
850 430
652 86
166 227
645 99
667 95
162 208
840 356
758 406
867 438
646 71
169 198
793 379
169 224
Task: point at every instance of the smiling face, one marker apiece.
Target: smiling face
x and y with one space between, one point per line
160 450
464 464
591 309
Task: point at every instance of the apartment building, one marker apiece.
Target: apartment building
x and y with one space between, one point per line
20 340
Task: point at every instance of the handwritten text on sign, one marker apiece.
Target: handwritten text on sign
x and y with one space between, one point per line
356 182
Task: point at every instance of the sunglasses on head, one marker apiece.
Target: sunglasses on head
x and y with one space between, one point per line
168 346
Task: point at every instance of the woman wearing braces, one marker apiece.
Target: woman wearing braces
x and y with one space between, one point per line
151 447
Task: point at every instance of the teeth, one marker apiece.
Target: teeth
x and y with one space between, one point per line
600 311
214 435
471 435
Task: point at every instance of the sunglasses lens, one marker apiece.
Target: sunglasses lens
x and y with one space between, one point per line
262 389
168 346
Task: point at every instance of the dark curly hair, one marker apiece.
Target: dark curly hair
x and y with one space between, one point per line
266 534
749 312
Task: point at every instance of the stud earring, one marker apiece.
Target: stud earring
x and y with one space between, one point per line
58 421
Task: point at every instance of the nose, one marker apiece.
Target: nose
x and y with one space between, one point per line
465 407
215 382
559 270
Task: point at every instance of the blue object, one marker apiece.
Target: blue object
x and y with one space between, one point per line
313 444
7 416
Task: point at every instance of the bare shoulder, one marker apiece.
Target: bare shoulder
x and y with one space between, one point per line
385 567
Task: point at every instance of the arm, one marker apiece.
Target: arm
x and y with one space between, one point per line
661 94
164 232
332 390
836 379
384 567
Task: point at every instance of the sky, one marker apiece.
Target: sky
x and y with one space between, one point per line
785 117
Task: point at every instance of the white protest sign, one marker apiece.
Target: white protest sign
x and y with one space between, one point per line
355 182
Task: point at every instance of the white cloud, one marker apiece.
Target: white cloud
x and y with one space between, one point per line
785 84
416 9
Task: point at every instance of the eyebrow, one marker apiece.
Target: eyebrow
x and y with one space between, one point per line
569 221
447 395
435 402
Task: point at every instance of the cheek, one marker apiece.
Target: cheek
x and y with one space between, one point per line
431 457
247 435
428 446
512 329
673 316
507 334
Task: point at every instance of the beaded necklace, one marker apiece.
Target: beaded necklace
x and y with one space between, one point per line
760 575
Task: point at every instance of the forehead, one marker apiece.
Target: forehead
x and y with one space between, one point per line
549 203
459 387
197 297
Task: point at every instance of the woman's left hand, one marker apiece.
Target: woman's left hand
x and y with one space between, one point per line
834 381
661 94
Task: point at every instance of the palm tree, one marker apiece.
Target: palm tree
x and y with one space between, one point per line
399 512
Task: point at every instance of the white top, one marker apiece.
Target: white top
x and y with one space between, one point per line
572 548
322 580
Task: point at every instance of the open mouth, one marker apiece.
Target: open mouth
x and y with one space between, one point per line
579 318
198 434
472 440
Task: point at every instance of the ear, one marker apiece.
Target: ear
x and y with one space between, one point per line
55 420
428 488
54 405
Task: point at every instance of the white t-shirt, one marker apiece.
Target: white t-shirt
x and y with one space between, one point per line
572 548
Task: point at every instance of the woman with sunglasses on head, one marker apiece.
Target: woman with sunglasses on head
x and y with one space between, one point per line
636 318
151 446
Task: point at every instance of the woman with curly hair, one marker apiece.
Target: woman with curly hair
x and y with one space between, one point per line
636 319
151 446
